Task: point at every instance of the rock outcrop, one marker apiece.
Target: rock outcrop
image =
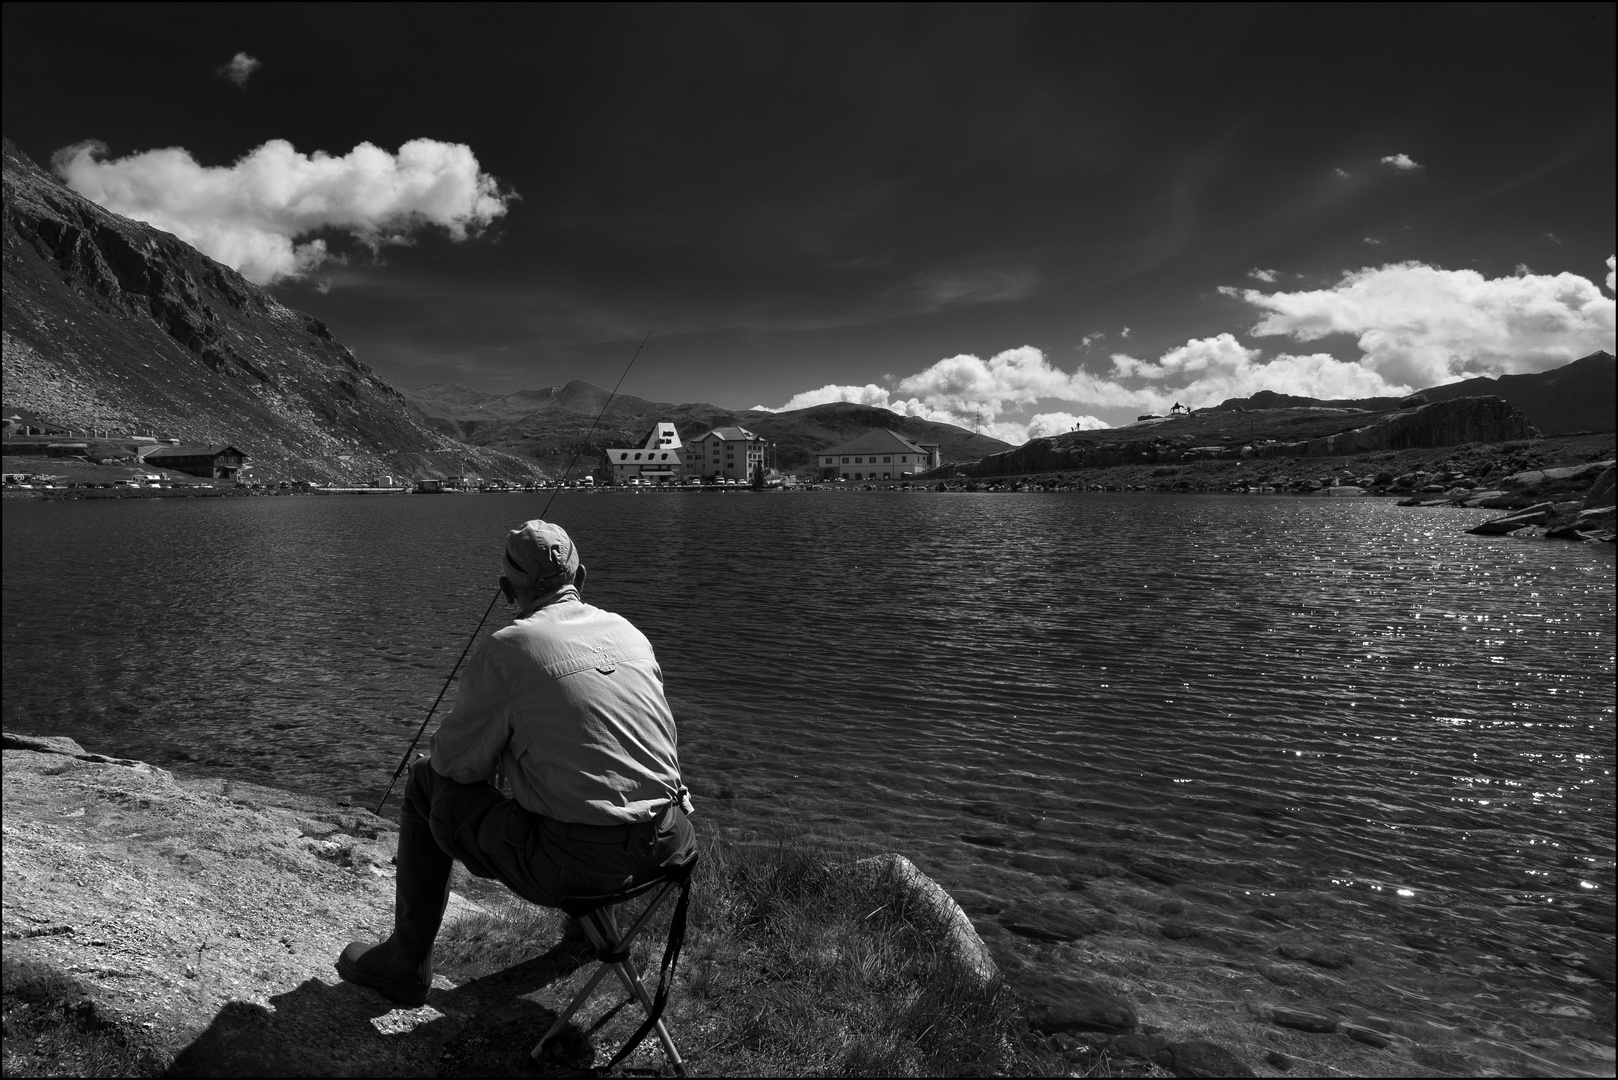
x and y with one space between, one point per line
1592 518
110 324
1441 423
921 895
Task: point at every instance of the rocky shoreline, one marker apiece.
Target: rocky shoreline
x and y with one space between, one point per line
200 918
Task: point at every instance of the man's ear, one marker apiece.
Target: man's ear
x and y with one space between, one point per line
578 578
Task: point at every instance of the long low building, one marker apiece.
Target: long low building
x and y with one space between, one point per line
877 455
219 462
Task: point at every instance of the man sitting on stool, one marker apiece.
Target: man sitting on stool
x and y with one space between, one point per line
567 704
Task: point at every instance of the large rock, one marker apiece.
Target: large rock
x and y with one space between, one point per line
1567 478
1539 514
1602 492
1598 522
921 895
1064 1003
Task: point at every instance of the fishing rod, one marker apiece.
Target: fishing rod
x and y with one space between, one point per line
568 472
405 761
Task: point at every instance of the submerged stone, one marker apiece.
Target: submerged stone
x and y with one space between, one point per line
1064 1003
1299 1020
1199 1058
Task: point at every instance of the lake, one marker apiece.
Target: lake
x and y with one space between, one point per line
1220 752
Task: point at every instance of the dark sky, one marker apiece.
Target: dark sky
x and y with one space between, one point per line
798 196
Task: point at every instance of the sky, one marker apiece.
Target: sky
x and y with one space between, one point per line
1021 219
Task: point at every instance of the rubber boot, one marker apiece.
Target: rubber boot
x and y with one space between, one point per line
401 968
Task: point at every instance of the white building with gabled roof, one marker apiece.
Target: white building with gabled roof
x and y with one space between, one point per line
725 453
877 455
659 459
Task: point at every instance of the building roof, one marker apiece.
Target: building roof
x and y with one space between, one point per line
194 451
731 434
29 419
878 441
653 440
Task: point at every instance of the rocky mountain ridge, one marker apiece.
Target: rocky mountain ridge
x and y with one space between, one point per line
1578 396
112 324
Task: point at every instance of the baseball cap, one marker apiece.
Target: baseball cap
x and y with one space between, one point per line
539 556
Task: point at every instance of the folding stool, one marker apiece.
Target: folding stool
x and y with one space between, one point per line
597 917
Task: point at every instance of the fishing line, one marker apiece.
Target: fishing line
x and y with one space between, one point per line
404 761
597 420
442 690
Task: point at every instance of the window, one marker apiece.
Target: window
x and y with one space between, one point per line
904 459
858 460
887 461
637 457
845 461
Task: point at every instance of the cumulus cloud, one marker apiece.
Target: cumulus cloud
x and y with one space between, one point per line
974 393
1055 423
1373 241
251 215
1401 162
1610 271
240 69
1089 339
1266 276
1422 325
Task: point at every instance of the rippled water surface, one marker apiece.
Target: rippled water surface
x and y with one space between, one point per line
1220 732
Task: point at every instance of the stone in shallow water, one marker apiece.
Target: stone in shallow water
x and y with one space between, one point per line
1368 1036
1198 1058
1318 955
1299 1020
1048 924
1064 1003
1143 1047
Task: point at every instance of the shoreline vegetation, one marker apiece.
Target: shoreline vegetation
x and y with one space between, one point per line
157 925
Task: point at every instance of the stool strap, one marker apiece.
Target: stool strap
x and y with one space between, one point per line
671 958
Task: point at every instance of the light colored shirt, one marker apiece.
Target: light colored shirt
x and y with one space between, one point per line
567 702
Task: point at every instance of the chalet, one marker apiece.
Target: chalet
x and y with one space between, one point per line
659 459
877 455
214 462
725 453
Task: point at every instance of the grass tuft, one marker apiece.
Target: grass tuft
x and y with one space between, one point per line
53 1028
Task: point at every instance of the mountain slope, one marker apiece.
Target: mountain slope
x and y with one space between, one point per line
549 424
110 323
1578 396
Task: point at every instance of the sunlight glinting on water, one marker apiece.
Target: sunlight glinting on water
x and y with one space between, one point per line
1353 714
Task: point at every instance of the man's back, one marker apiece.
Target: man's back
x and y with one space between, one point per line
569 699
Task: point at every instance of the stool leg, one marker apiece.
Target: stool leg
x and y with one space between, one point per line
631 980
578 999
